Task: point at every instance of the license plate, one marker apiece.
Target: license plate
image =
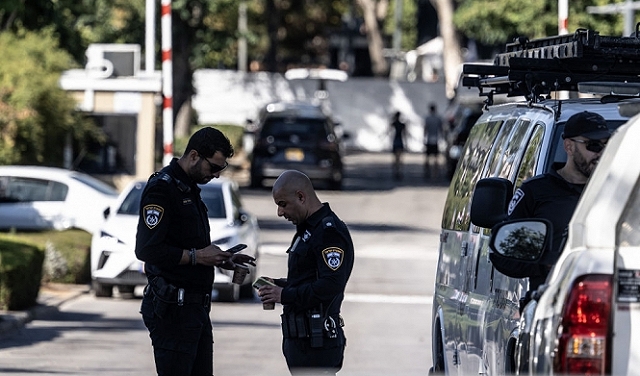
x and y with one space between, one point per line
296 155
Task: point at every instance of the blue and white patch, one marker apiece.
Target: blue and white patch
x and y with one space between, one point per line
517 197
333 256
152 215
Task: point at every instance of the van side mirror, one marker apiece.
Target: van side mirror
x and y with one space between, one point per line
522 240
490 201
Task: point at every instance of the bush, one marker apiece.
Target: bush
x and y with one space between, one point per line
20 274
233 132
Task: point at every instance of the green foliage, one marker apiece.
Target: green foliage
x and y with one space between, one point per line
497 22
20 273
407 23
36 115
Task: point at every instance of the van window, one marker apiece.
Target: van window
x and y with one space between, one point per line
531 156
17 189
629 224
506 155
472 162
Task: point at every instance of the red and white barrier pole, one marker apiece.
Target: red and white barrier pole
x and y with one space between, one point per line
167 83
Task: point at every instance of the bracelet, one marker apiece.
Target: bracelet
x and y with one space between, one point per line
192 256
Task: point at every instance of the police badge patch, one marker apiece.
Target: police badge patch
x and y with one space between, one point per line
333 257
152 215
517 197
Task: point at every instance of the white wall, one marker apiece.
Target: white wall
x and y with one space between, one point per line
362 105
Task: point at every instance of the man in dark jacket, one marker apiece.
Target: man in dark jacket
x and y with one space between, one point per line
174 242
321 258
554 195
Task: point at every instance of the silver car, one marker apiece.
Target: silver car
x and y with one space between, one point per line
113 259
44 198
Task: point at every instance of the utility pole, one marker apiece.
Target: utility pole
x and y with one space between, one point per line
242 40
167 82
627 8
397 33
563 17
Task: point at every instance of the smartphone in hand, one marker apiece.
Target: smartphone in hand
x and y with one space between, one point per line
262 281
236 248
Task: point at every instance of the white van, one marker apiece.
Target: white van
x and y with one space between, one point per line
584 320
475 317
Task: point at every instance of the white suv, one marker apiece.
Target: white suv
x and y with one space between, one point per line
584 319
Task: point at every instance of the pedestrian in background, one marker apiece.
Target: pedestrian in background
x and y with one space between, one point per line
174 242
399 140
320 261
433 133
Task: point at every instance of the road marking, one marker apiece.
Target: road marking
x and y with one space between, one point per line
374 251
388 299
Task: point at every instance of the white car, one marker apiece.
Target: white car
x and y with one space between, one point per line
113 259
584 320
43 198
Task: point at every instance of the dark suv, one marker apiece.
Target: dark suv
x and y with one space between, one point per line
296 135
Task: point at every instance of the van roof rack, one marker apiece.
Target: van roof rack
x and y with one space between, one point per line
533 68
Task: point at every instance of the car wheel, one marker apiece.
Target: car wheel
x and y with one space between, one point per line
126 289
256 181
102 290
229 293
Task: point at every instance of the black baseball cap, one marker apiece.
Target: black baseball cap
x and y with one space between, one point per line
586 124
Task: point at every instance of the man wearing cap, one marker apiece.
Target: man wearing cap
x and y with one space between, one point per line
554 195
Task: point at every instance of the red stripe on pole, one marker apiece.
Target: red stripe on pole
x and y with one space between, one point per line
166 10
167 102
168 149
166 55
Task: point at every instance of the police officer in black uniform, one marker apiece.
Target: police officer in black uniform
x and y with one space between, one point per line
320 262
554 195
174 242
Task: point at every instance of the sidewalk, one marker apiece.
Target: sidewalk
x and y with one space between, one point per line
51 296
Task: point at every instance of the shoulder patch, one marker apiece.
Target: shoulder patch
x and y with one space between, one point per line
152 215
333 256
517 197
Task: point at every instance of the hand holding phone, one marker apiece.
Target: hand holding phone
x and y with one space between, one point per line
236 248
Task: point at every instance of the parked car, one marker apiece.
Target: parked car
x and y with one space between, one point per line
476 309
44 198
582 319
113 259
296 135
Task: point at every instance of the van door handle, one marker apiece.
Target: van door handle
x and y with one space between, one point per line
464 249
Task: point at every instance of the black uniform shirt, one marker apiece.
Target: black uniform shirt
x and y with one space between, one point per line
551 197
320 262
173 218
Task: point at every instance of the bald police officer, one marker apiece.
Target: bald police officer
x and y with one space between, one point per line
321 258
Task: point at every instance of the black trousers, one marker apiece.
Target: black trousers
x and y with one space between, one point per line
182 339
302 359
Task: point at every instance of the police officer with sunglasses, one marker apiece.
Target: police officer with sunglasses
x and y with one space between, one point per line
554 195
174 242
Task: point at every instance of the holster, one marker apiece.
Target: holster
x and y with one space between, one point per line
310 324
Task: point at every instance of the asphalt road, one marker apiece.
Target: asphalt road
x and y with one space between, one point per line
387 308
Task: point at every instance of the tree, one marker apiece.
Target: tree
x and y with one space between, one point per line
36 115
451 52
493 22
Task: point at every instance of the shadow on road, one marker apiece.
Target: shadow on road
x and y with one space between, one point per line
364 171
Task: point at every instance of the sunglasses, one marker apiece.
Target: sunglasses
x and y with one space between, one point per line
214 167
594 146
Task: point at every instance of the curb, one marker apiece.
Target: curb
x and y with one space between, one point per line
50 297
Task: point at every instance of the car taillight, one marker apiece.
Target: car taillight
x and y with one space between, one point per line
582 348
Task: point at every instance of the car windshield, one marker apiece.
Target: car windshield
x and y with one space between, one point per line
306 129
211 195
95 184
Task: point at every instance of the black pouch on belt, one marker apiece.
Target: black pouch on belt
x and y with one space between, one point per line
164 294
